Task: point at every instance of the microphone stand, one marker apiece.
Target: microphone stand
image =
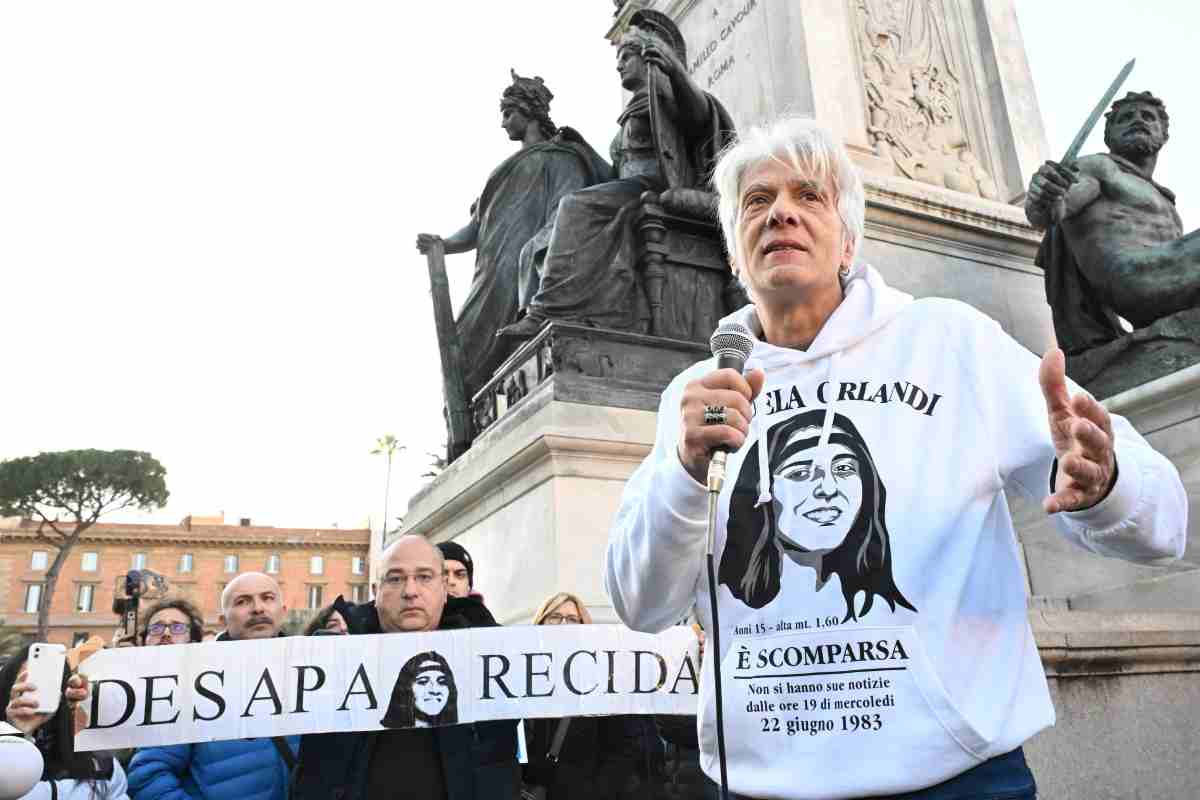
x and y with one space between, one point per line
716 478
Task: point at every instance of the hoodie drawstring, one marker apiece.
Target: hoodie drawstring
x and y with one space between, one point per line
830 402
758 432
758 429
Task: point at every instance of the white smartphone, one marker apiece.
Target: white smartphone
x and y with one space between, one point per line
44 669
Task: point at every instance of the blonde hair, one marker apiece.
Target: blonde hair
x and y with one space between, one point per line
556 600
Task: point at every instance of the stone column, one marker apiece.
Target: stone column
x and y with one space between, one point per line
935 103
937 91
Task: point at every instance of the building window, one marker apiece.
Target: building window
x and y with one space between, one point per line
315 592
33 596
138 561
39 560
273 564
358 593
85 599
91 562
316 565
231 563
357 564
79 638
185 562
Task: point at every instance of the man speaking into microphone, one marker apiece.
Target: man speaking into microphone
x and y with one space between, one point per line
874 638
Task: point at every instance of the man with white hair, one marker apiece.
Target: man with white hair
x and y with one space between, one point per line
874 633
252 607
476 761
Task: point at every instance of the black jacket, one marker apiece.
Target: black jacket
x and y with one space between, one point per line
479 760
682 777
602 758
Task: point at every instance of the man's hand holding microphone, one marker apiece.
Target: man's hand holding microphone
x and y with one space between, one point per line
725 389
715 410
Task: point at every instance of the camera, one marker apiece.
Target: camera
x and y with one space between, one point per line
133 587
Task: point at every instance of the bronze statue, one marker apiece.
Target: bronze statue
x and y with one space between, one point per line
1114 247
512 219
671 132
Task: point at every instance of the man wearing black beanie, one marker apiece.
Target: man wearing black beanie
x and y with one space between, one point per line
460 569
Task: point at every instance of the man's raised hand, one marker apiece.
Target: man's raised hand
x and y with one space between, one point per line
1081 430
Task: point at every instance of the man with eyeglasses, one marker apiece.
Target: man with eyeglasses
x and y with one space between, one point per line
173 621
252 607
476 761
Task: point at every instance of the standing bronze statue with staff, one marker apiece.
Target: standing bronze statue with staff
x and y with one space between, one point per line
510 224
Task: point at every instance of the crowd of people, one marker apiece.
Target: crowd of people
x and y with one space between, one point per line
422 587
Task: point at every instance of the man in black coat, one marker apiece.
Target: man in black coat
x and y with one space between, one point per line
602 758
456 762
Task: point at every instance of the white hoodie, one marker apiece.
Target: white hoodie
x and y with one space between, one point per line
874 632
112 789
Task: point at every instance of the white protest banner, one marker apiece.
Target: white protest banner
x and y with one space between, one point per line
150 696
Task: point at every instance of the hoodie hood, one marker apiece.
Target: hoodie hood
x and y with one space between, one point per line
867 306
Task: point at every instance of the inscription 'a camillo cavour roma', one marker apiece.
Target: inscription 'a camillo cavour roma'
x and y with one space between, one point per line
722 36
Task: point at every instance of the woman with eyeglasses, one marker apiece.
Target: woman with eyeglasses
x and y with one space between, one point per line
600 758
563 608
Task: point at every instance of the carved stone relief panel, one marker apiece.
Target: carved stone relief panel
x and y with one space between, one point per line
914 83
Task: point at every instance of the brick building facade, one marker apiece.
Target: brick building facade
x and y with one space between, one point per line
198 557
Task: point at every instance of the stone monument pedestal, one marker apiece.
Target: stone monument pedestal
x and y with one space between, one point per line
934 242
1120 642
1165 346
1126 687
1061 576
563 424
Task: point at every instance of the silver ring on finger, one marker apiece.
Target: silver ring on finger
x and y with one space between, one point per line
715 415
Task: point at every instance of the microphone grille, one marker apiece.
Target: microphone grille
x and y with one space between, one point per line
732 339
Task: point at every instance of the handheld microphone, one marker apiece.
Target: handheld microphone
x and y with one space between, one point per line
731 343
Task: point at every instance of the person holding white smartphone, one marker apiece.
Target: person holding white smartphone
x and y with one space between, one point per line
32 703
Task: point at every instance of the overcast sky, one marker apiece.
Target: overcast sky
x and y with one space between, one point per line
207 216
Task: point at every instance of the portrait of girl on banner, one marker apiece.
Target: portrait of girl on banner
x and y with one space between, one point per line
827 511
424 695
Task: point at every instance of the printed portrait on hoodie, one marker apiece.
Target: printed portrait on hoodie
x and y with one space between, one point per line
424 695
827 511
